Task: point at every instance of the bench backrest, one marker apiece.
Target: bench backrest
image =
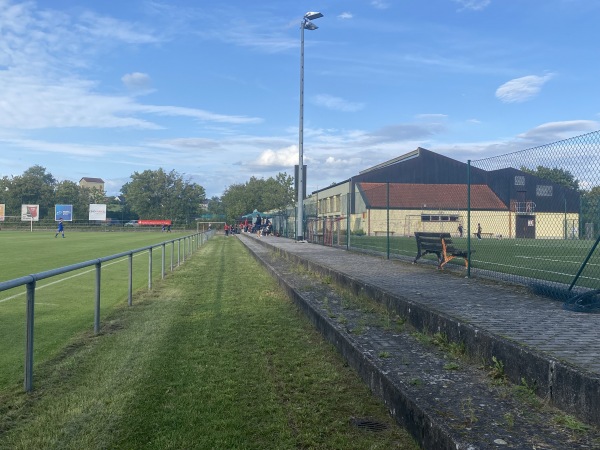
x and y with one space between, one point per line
439 236
433 240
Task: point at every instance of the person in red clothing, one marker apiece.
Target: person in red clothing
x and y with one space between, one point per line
226 227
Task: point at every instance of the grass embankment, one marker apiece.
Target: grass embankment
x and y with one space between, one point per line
215 357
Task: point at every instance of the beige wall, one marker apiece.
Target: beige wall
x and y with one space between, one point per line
331 202
91 185
552 225
498 223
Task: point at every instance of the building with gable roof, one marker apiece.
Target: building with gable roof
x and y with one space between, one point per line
426 191
91 183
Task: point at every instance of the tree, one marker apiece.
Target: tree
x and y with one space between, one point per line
96 195
70 193
156 194
590 209
558 176
263 195
279 192
215 207
34 186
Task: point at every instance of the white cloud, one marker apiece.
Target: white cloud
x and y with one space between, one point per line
43 53
108 28
286 157
475 5
345 15
557 131
136 81
336 103
331 160
380 4
68 149
521 89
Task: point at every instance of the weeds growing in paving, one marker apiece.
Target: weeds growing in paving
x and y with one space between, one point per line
216 356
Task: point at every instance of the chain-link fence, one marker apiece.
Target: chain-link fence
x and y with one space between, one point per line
547 233
530 217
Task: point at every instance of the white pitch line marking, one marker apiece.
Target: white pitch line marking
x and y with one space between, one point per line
66 278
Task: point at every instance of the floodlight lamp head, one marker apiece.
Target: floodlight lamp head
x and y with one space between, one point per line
312 15
309 25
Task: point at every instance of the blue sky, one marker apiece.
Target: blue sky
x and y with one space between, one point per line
211 89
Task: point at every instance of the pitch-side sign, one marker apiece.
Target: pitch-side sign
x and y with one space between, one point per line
2 209
97 212
30 213
64 212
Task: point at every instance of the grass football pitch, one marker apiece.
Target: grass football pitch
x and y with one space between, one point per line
550 260
64 304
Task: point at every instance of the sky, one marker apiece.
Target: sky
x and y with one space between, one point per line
211 89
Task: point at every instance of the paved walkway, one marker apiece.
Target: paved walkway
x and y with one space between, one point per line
537 340
508 311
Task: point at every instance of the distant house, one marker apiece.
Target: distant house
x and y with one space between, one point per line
91 183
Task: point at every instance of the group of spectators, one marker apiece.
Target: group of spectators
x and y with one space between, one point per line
258 225
231 229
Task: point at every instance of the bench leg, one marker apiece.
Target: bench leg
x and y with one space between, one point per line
446 260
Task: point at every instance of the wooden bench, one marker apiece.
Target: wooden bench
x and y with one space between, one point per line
383 233
439 244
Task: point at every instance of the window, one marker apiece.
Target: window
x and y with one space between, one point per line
543 191
519 180
429 218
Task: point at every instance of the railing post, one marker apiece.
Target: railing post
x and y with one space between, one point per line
150 269
178 252
184 248
97 308
28 384
162 266
172 254
130 288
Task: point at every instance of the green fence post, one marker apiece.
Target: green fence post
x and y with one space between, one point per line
388 219
469 218
348 221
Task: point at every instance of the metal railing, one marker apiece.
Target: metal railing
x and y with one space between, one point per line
185 247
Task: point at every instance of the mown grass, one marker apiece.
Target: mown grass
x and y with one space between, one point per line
64 304
215 357
24 253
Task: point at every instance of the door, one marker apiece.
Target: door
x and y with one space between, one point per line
525 226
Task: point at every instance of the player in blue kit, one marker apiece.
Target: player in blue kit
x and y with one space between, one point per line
60 229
